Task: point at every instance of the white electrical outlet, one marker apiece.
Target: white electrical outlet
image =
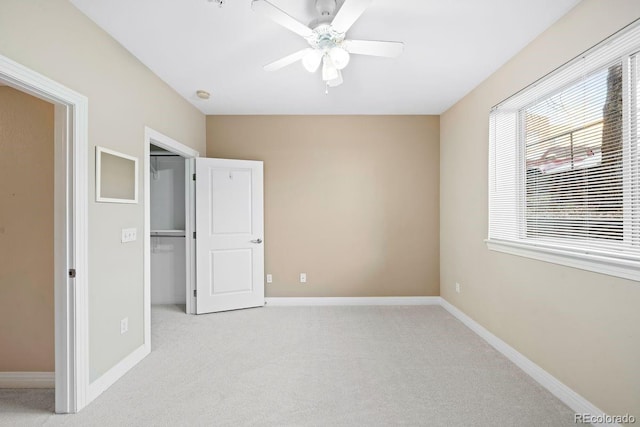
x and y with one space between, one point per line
124 325
457 287
303 277
129 235
269 278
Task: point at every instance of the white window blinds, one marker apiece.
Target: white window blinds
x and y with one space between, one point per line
564 157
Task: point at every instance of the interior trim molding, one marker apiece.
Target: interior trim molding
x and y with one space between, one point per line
27 380
627 269
573 400
318 301
97 387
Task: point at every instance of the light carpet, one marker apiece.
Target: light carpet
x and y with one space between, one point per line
309 366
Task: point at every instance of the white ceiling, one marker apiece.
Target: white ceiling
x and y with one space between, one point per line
450 47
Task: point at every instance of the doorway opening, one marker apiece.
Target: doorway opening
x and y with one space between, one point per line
68 240
168 259
27 347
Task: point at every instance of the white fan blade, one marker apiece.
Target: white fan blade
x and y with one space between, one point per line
374 48
337 81
348 14
280 17
287 60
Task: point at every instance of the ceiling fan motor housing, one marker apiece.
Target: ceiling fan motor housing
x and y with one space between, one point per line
326 7
324 37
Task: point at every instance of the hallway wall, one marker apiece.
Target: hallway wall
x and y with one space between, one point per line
26 233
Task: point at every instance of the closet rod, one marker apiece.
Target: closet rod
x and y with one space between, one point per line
167 233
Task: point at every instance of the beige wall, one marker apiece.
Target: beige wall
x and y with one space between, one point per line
26 233
582 327
351 200
57 40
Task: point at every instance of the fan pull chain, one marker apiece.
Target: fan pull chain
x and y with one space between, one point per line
326 89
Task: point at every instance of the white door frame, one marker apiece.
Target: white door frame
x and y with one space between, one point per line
160 140
70 230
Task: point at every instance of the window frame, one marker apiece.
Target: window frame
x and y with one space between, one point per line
612 262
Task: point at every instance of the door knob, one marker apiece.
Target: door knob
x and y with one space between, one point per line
258 241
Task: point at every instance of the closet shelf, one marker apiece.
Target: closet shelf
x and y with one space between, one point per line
167 233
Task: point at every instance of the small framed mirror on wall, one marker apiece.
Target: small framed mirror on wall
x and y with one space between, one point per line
116 177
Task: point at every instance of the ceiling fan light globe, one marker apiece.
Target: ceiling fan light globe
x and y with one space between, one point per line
329 71
340 57
311 61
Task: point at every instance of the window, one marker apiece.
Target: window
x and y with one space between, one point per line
564 168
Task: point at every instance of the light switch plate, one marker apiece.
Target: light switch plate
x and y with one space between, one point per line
269 278
129 235
124 325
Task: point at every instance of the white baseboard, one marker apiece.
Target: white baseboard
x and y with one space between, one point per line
27 380
352 301
97 387
573 400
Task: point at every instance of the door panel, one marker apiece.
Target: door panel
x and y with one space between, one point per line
229 233
231 271
231 199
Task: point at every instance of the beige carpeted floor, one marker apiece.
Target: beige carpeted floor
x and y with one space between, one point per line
309 366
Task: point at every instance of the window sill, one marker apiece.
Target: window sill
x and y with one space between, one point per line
625 269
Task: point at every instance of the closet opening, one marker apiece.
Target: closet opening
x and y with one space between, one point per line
168 243
169 214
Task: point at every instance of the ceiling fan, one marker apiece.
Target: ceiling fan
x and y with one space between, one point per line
326 37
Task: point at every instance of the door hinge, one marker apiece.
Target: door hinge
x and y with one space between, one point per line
194 176
195 293
194 234
72 273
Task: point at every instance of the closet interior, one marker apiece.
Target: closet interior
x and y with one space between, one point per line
167 234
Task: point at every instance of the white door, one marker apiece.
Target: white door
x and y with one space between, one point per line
229 233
